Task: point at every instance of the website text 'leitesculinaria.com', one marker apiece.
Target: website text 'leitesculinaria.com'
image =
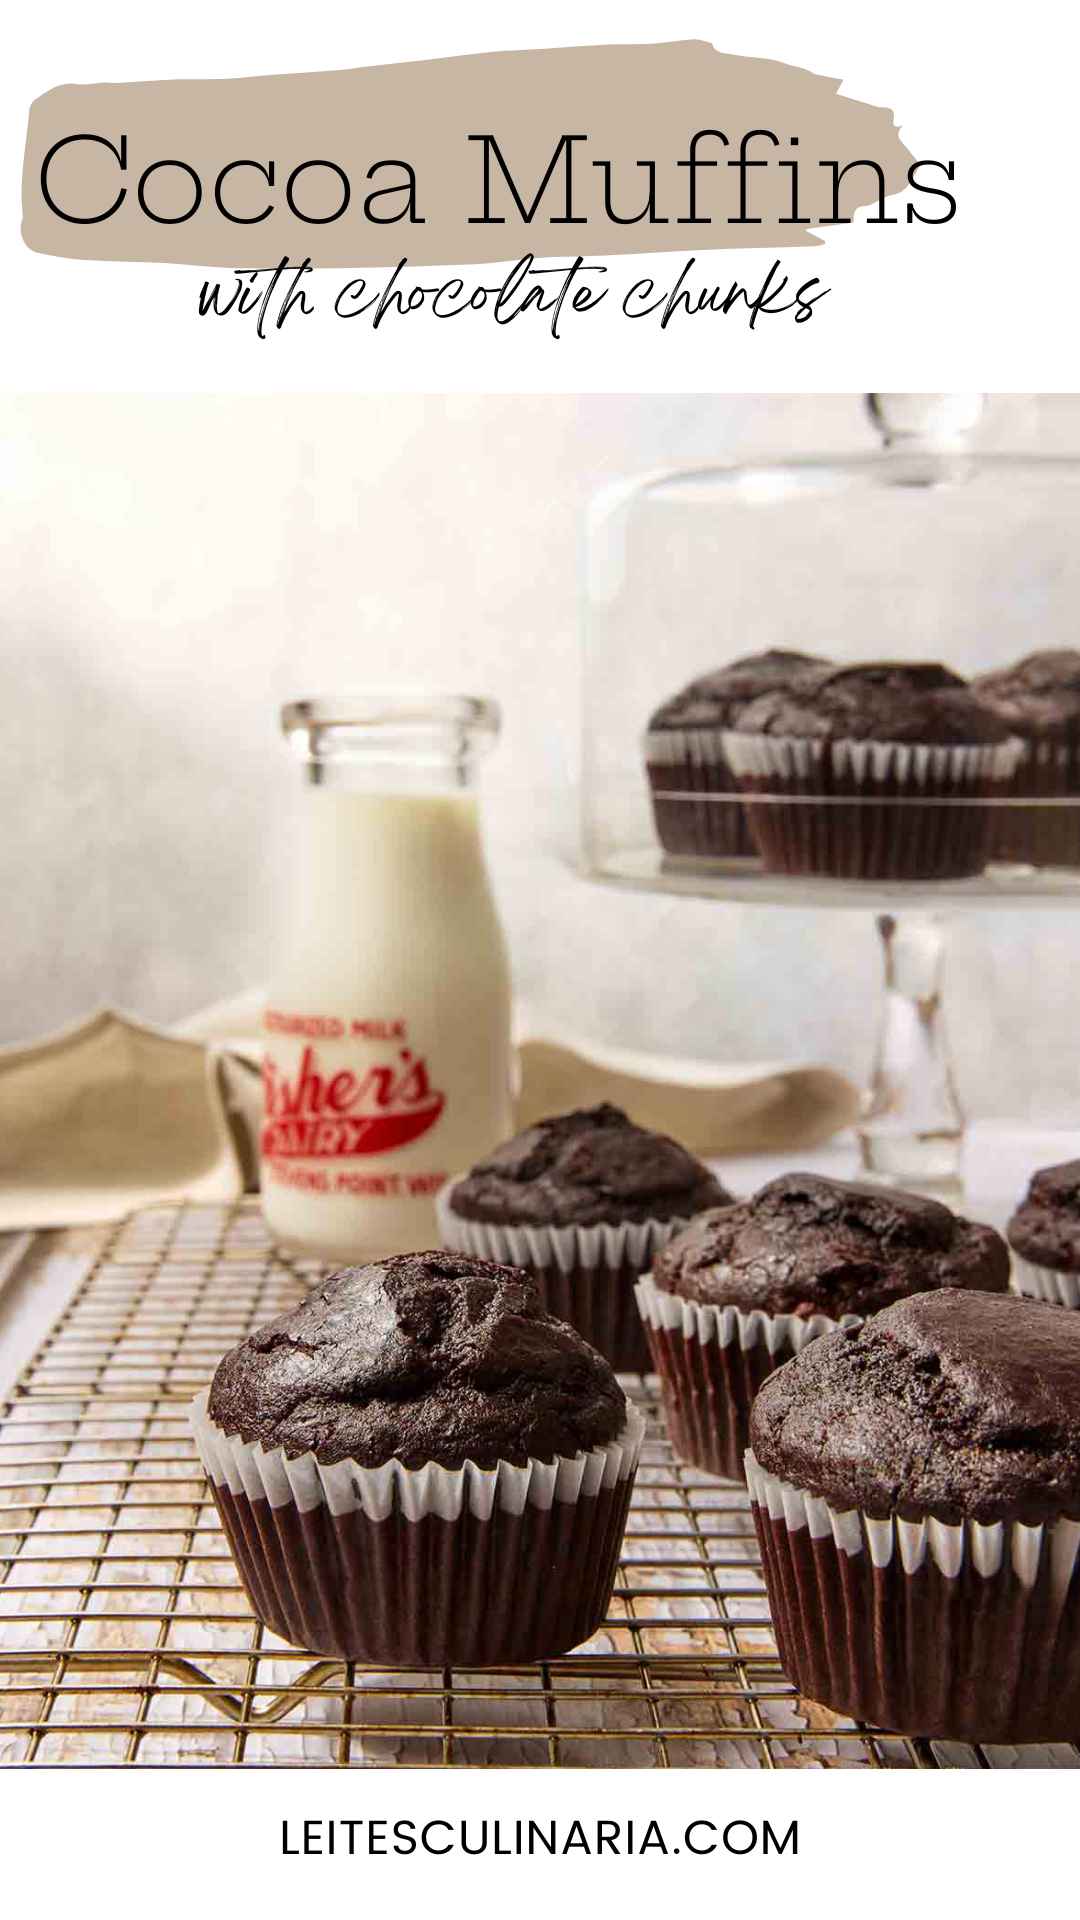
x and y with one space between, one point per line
371 1838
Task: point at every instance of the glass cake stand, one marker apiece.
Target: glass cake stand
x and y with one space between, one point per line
923 548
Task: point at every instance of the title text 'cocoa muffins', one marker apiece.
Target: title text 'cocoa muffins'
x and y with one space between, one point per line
584 1201
872 772
1044 1234
418 1467
916 1489
741 1291
690 778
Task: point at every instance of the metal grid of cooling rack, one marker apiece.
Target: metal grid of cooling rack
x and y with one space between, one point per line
125 1636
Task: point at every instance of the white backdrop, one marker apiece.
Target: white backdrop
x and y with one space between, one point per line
175 567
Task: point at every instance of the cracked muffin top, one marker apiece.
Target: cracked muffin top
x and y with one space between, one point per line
714 699
424 1357
918 702
952 1405
1045 1228
1039 697
806 1245
589 1168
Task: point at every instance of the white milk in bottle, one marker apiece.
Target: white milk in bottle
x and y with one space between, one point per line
387 1065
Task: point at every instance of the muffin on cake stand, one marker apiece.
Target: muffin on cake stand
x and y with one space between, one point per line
928 559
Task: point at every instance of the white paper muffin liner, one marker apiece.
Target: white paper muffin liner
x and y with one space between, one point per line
764 755
248 1469
428 1566
988 1547
1049 764
1058 1288
687 746
697 808
965 1631
585 1275
870 809
628 1243
711 1360
785 1333
1041 834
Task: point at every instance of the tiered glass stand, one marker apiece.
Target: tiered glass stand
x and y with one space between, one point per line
923 548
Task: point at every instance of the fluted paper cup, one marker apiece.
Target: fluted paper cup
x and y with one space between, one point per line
1041 835
711 1362
870 809
424 1567
697 809
957 1632
585 1275
1056 1287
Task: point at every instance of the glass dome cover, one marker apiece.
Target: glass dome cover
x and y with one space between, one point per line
886 771
923 549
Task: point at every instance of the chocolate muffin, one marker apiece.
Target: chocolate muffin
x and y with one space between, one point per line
873 772
690 779
1044 1234
583 1201
418 1466
1038 699
916 1489
741 1290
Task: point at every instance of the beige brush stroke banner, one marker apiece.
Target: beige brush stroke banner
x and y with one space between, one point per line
633 103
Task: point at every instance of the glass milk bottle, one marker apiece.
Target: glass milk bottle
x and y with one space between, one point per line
387 1065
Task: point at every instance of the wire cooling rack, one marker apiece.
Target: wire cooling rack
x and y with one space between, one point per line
125 1636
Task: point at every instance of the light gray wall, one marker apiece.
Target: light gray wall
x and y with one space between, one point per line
174 568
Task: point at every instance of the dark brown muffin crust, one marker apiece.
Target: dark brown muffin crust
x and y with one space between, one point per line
589 1168
1045 1228
713 699
425 1357
955 1405
806 1245
1039 697
916 702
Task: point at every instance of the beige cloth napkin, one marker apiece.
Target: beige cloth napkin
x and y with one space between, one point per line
109 1116
712 1109
115 1114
